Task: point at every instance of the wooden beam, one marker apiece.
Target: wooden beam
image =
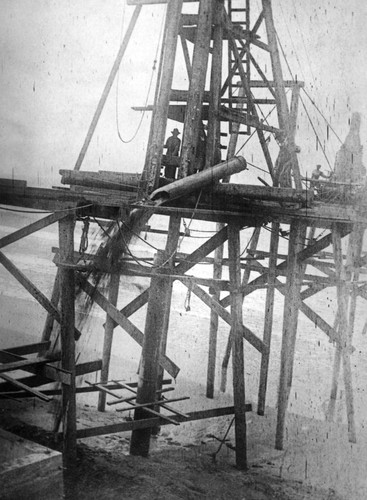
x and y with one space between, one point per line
225 315
67 329
151 353
290 320
120 319
213 135
344 347
196 89
268 321
245 279
113 291
259 130
152 422
33 290
237 347
31 228
24 387
304 254
23 350
152 165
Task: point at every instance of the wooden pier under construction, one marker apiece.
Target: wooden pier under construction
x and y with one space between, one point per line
225 45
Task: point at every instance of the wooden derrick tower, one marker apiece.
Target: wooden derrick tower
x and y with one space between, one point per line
229 51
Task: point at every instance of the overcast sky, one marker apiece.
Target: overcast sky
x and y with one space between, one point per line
56 57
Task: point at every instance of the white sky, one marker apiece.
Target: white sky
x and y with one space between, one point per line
56 56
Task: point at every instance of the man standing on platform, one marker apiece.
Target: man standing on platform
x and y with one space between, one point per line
173 144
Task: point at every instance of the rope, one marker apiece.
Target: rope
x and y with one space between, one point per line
127 141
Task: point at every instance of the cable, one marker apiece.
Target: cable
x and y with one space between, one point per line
327 122
317 137
258 168
127 141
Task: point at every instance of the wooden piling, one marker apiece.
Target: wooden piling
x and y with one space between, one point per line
113 291
67 325
290 319
149 363
213 329
237 346
268 324
344 332
168 263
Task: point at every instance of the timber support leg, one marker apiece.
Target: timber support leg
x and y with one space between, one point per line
108 336
344 348
237 346
213 330
269 310
290 319
67 328
149 364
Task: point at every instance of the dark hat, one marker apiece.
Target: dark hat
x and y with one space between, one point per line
175 130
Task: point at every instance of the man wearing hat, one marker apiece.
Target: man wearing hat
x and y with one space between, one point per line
173 144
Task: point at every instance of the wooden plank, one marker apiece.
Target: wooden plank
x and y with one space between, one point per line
122 321
31 228
23 350
21 364
152 422
67 337
33 290
237 347
29 390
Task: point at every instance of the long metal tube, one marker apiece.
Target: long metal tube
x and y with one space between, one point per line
196 181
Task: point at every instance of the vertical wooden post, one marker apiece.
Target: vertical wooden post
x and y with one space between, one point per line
213 330
67 326
55 297
237 345
113 291
344 330
196 90
246 276
281 98
290 319
268 324
149 364
152 165
168 263
213 140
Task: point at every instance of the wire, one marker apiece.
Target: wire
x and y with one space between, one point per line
327 122
46 211
127 141
258 168
317 137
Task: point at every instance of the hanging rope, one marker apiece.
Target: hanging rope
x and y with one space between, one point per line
127 141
